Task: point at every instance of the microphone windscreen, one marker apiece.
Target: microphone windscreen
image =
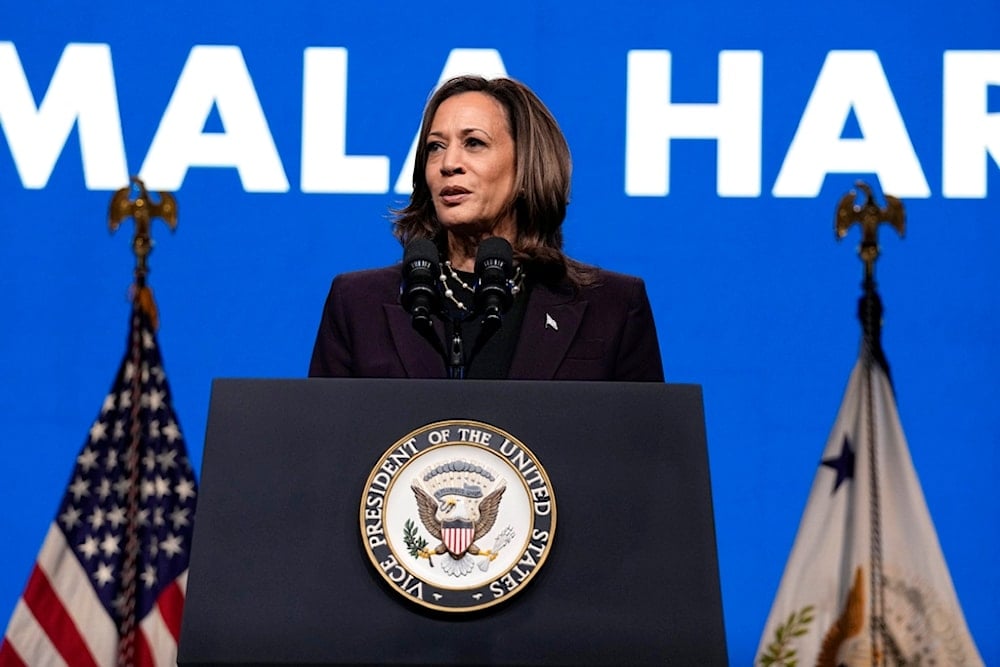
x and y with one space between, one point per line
495 251
418 292
419 250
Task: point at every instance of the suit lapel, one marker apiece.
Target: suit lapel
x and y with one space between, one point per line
419 357
550 324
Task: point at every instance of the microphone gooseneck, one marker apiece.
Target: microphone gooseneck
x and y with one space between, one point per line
495 269
419 293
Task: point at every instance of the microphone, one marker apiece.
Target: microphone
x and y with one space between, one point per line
419 291
495 268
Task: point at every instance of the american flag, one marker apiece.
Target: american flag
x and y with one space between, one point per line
108 584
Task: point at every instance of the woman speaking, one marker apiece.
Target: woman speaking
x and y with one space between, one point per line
485 290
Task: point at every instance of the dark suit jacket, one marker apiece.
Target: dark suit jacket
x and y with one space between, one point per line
604 331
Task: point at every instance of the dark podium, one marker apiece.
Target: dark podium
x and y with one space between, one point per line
279 574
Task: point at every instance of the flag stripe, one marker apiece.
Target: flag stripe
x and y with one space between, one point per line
159 633
47 609
10 657
29 639
170 605
72 586
143 656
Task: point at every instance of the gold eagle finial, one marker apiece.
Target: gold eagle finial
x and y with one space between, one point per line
143 210
869 216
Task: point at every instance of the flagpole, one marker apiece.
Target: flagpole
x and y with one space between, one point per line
143 211
871 327
870 216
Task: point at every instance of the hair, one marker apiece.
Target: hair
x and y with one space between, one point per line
541 182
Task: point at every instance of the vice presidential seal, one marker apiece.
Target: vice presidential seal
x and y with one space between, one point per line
458 516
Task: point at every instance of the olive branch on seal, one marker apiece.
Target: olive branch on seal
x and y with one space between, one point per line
416 544
779 653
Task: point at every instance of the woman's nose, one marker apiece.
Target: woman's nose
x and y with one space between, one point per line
451 161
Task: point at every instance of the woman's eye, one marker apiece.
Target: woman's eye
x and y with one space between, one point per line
473 142
434 146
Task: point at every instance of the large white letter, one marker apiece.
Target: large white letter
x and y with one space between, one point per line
970 131
652 120
326 166
486 63
851 80
82 91
214 75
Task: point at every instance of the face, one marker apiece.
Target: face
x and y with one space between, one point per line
470 166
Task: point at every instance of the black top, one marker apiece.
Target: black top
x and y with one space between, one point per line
488 353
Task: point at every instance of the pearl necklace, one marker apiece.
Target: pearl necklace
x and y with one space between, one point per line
514 284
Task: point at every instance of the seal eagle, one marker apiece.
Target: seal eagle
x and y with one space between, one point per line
458 503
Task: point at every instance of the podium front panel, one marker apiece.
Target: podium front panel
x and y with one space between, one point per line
279 573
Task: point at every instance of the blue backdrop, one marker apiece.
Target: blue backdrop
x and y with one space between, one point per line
725 208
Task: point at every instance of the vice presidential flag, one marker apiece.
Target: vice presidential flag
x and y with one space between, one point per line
108 584
866 582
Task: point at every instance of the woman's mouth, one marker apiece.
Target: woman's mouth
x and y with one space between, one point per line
453 194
